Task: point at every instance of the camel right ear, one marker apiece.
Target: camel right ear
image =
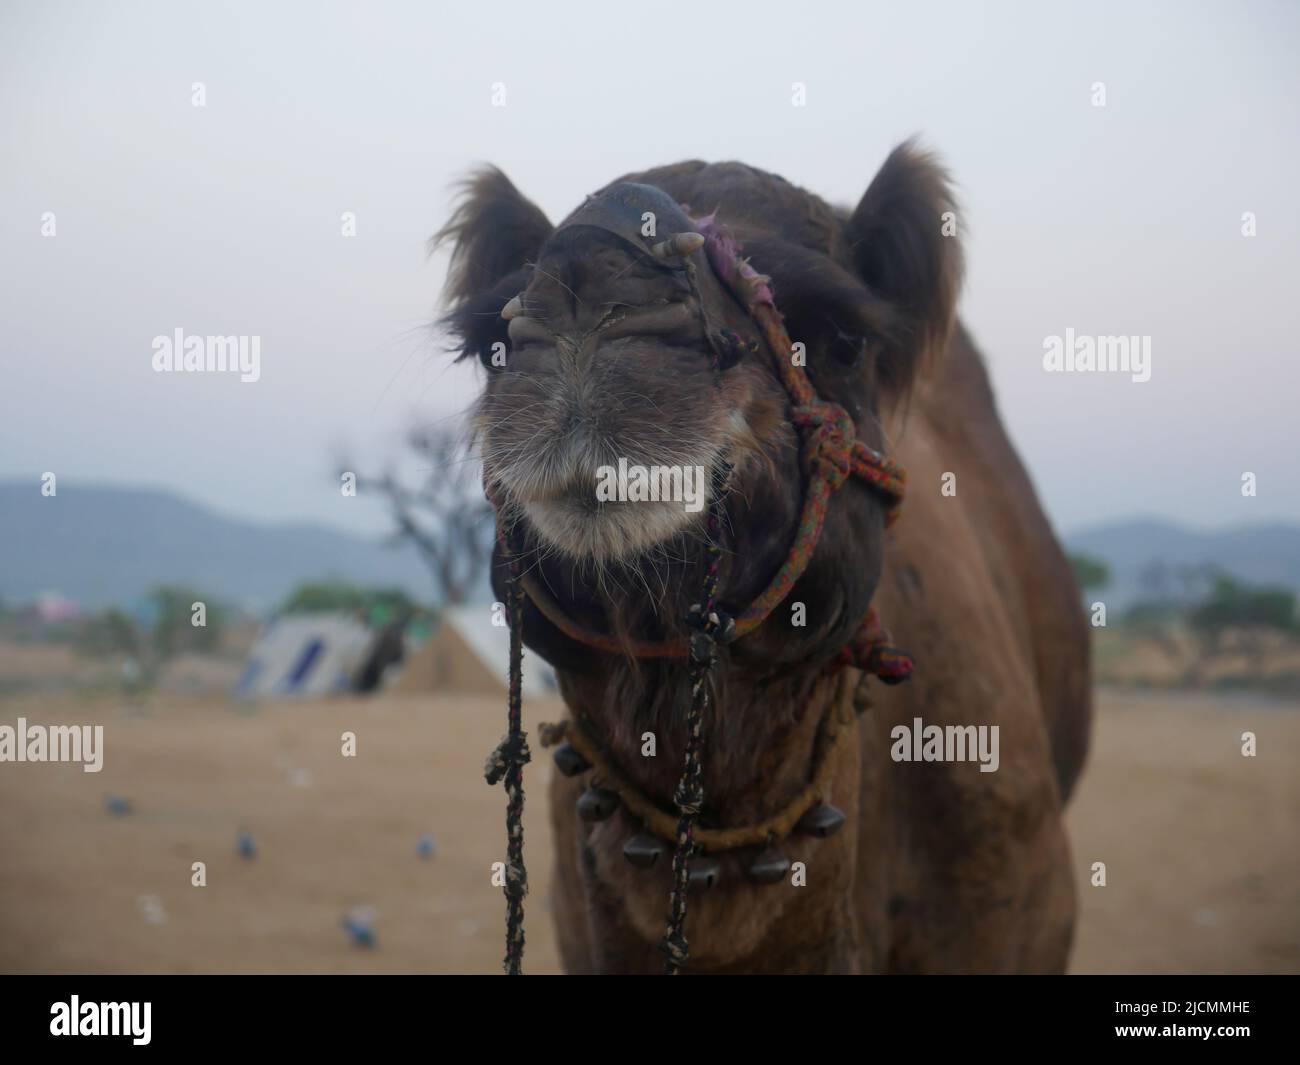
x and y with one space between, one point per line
496 234
901 250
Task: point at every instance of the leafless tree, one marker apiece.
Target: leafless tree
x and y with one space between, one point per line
445 515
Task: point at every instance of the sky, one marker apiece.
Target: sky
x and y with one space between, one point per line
226 219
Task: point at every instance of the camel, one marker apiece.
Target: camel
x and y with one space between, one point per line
641 330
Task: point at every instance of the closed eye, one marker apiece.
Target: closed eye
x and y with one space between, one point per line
674 320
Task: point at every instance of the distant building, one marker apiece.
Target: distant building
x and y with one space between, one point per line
51 608
467 654
306 655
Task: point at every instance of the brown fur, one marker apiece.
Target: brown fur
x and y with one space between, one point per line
941 867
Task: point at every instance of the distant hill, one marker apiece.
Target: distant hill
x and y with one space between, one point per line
104 545
1258 554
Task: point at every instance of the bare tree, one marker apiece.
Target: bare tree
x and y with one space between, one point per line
445 516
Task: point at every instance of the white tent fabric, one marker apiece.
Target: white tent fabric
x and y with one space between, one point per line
468 652
305 655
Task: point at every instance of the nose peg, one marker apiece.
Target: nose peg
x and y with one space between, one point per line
678 246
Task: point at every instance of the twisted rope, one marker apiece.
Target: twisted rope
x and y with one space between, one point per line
834 733
689 795
506 762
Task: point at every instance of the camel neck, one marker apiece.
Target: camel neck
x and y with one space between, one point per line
761 736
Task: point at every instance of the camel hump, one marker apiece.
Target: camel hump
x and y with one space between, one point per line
1020 549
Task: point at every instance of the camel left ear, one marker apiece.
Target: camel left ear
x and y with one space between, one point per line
899 248
495 233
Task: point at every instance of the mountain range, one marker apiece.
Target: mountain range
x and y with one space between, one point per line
109 545
1143 553
102 545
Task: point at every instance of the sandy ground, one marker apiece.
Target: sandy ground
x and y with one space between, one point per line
1203 870
1201 845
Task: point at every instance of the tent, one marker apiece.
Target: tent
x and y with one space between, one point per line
305 655
467 654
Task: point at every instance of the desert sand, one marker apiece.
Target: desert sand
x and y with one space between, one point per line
1199 842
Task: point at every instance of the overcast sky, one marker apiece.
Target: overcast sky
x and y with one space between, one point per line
225 219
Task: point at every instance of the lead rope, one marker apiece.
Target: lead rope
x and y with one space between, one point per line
711 628
507 762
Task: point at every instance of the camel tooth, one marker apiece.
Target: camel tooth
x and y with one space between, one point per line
513 309
597 804
644 851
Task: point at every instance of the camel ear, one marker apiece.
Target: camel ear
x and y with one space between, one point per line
900 251
496 234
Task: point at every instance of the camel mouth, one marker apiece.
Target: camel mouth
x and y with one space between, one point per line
592 502
614 532
583 527
618 511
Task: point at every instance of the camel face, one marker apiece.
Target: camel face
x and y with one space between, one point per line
609 372
623 384
614 419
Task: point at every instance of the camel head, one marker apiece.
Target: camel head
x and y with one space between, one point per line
627 385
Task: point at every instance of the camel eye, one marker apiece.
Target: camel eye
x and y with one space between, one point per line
849 349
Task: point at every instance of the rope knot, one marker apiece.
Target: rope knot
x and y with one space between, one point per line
689 796
511 751
729 347
828 441
872 651
675 946
711 626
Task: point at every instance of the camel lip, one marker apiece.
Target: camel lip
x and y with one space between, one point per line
616 485
576 491
572 502
583 528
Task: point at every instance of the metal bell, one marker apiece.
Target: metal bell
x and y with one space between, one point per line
644 851
568 761
704 872
597 804
769 867
822 820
